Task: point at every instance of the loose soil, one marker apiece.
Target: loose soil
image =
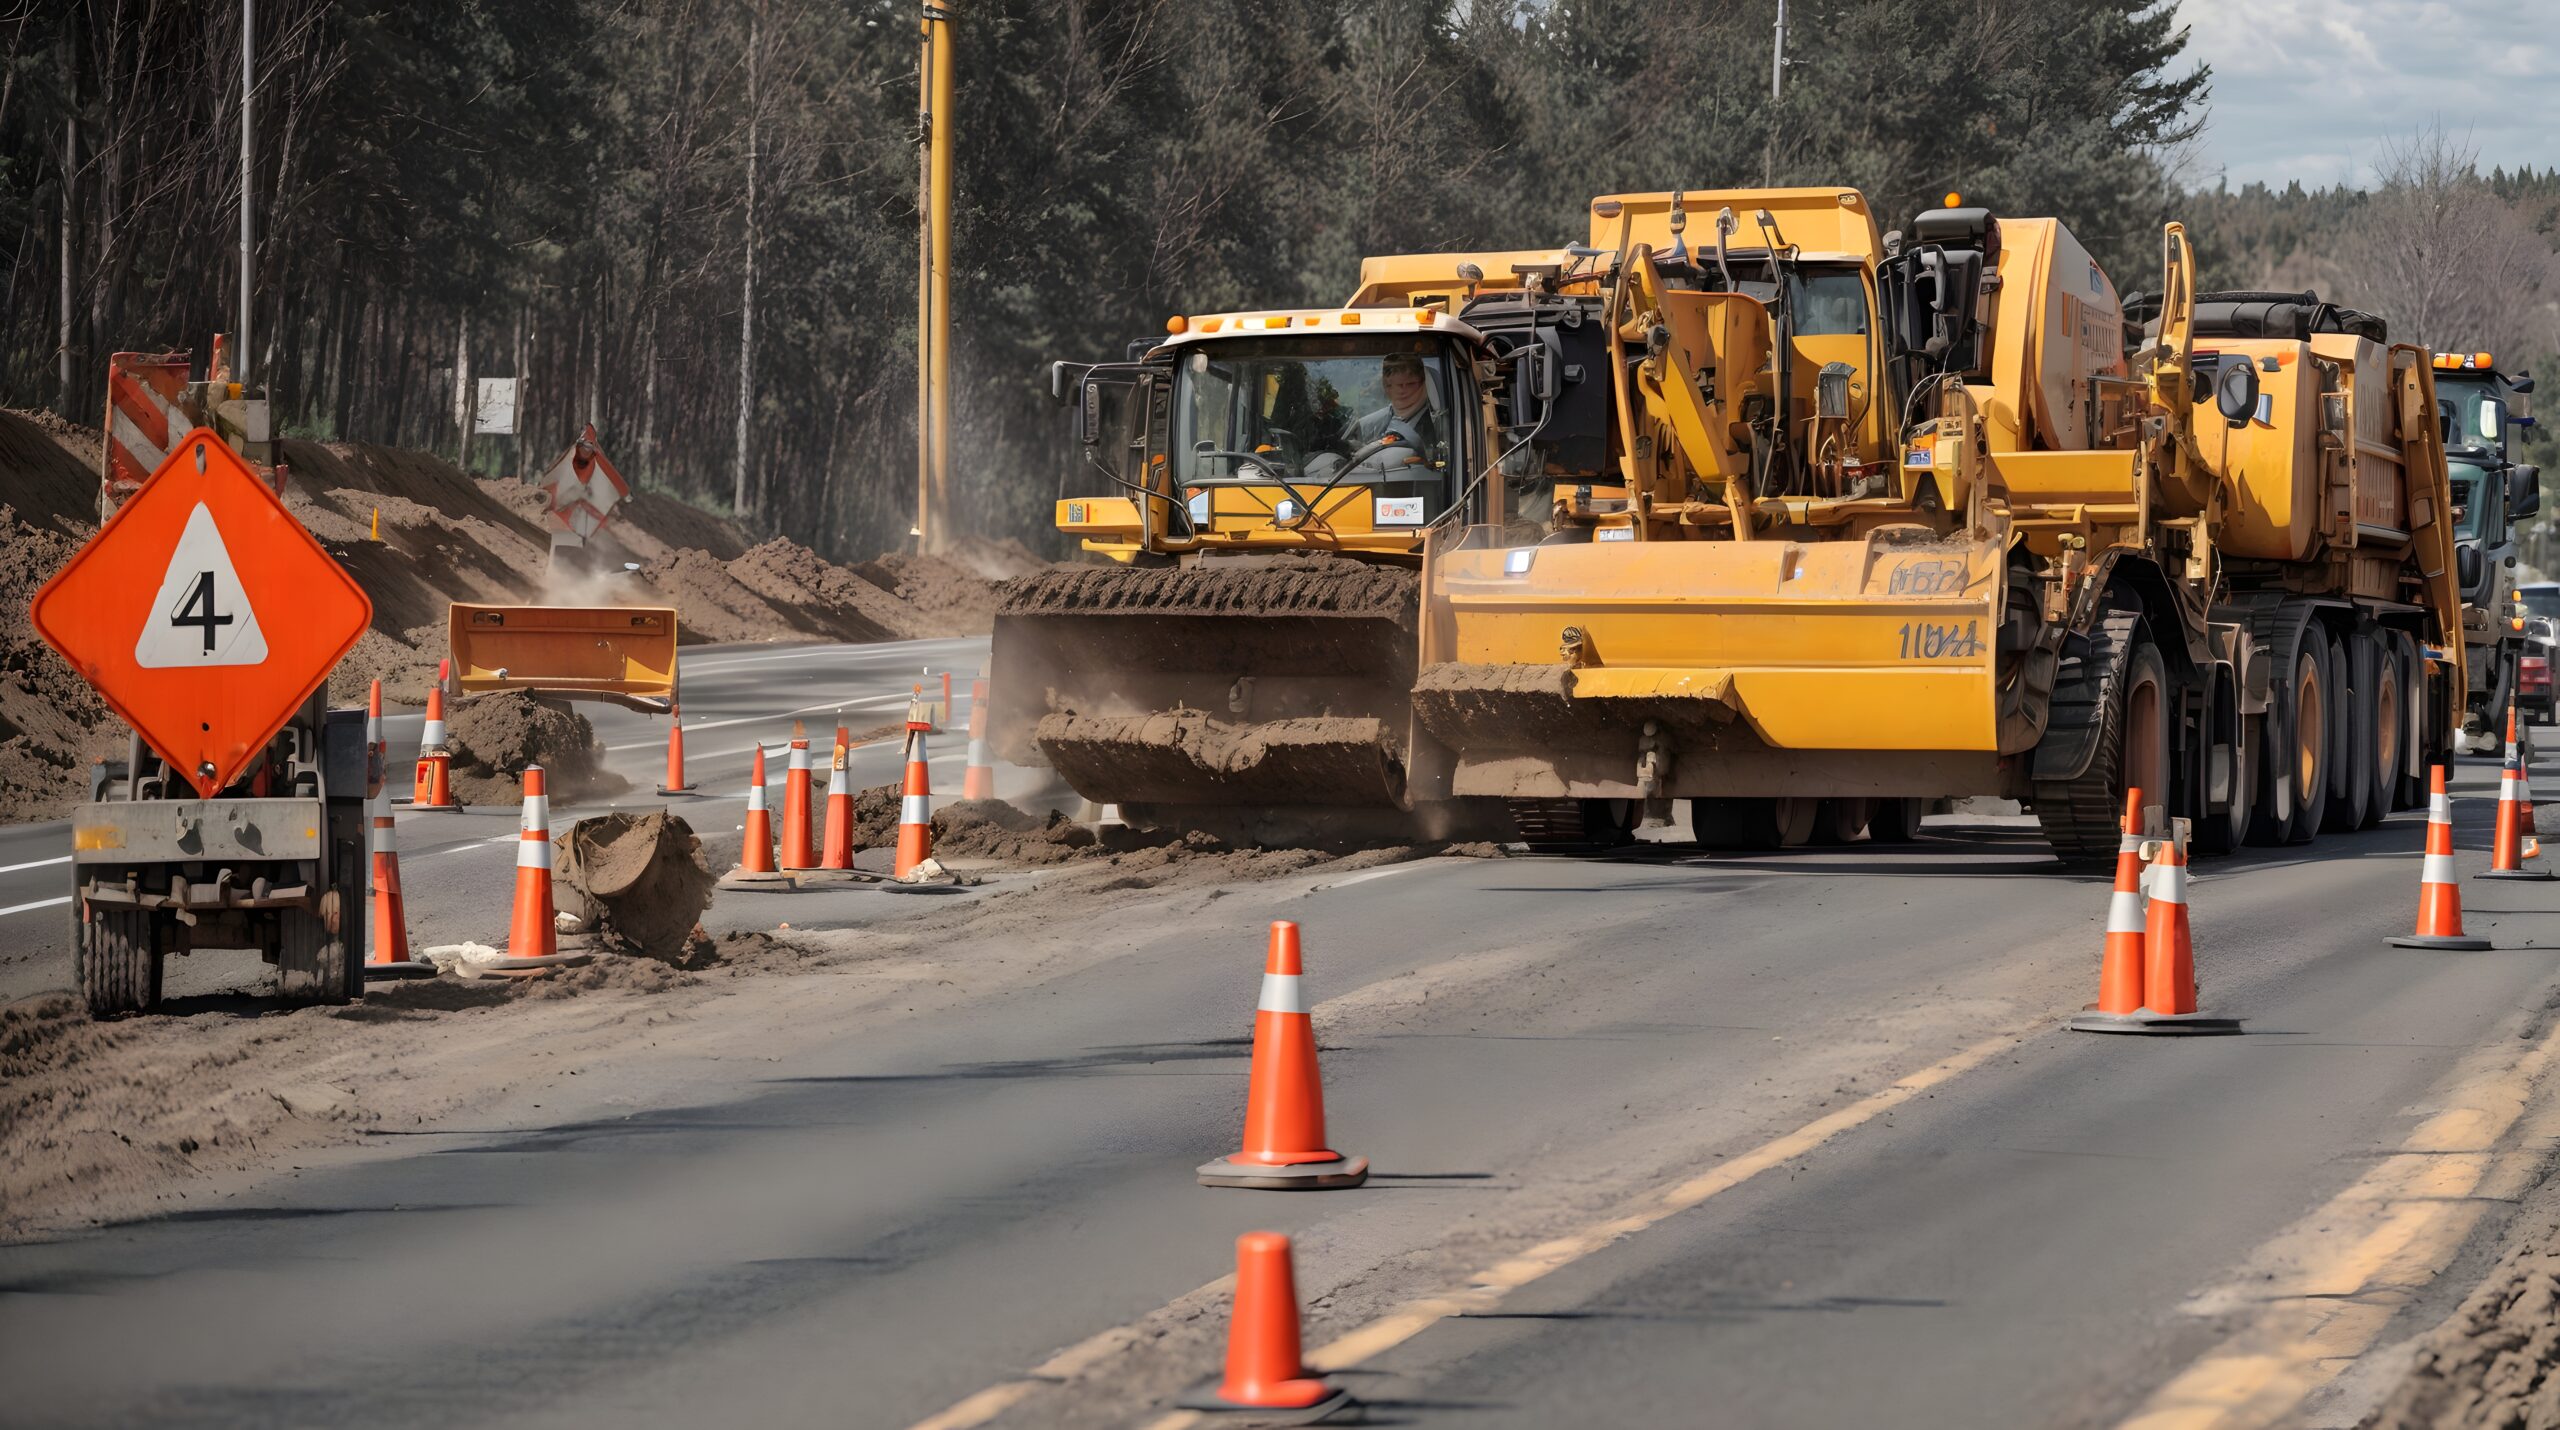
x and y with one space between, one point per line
2496 1360
443 536
637 881
496 737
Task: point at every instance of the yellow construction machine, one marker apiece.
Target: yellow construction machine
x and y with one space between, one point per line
1887 518
622 654
1243 656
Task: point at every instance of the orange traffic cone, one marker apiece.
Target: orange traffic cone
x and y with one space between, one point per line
2168 952
2439 891
1264 1372
915 803
755 863
796 853
675 784
1284 1103
432 788
2506 849
389 957
2121 958
979 780
533 935
835 851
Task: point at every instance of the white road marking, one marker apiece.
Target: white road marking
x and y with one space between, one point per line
876 702
38 904
35 864
1365 875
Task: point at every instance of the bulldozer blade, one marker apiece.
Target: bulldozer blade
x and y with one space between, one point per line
1232 682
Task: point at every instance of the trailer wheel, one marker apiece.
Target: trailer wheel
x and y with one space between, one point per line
119 962
2083 818
2312 710
1841 820
2390 728
1740 824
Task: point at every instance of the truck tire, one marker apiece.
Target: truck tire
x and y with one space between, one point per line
119 961
2390 728
2083 818
1842 819
1747 825
2351 749
2312 712
1896 820
320 953
2224 833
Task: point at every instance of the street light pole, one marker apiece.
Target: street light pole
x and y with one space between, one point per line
248 231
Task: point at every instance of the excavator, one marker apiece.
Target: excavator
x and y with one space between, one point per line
1889 518
1242 657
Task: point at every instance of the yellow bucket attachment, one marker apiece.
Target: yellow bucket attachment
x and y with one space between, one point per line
622 654
1546 658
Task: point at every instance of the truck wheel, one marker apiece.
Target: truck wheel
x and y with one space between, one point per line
2224 833
2314 710
1896 821
2351 748
1575 824
1842 820
1734 823
312 966
2390 728
2083 819
119 962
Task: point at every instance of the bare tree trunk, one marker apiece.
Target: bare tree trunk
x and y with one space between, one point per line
62 338
741 500
463 396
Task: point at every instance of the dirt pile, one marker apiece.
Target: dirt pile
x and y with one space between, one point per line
2497 1360
494 737
952 594
636 880
795 578
51 723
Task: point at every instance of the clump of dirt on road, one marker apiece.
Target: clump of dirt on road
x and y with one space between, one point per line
494 737
2497 1360
993 829
636 880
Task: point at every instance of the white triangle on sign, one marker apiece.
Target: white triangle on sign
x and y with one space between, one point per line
202 616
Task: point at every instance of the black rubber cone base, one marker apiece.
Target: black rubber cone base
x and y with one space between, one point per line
1296 1177
2524 874
1205 1397
2451 943
687 790
405 968
2157 1025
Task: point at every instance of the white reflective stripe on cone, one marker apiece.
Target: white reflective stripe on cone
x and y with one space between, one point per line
977 752
537 814
2124 912
433 736
2170 884
915 809
2507 785
799 757
2440 809
2438 869
1280 994
755 797
533 853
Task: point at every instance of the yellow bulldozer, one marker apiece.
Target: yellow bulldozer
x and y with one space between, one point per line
1243 656
1888 518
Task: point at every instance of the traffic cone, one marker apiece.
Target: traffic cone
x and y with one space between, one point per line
796 853
2506 847
1264 1372
675 784
979 780
755 863
389 957
2168 952
835 853
915 802
432 788
533 935
2439 892
1284 1103
2524 812
2121 958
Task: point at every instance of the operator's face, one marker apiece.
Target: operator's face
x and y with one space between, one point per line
1404 389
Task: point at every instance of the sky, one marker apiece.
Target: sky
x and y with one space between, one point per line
2316 89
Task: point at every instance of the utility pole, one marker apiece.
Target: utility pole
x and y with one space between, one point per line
1777 78
933 276
248 232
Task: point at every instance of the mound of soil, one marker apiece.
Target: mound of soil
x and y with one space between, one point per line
494 737
2496 1361
948 597
52 725
637 880
993 829
792 576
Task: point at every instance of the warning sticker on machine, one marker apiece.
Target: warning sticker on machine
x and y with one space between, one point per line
1398 511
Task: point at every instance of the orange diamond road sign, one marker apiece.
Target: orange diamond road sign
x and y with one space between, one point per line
203 613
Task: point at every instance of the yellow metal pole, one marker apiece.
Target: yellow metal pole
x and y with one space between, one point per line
924 272
939 157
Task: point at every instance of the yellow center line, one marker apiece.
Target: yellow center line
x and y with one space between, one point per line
1486 1288
2333 1281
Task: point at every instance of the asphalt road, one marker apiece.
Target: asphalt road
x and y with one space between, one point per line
734 696
1662 1138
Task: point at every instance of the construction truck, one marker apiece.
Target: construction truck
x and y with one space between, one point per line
2476 405
1243 656
1886 519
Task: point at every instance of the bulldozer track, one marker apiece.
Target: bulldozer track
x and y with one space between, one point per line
2081 816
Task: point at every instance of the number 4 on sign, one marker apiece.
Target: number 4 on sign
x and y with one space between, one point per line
202 616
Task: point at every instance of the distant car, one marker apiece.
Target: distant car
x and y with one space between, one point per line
2533 668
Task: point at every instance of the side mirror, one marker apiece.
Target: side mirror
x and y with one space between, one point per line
2466 564
2235 392
1089 414
2522 382
2524 491
1057 382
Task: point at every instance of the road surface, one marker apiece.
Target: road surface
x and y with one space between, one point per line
1661 1138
